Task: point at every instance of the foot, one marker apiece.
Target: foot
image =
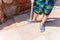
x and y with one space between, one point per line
42 28
36 21
31 21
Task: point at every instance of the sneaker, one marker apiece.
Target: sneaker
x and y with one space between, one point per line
42 28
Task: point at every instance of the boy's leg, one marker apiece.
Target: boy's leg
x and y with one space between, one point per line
42 23
42 17
47 11
45 17
35 17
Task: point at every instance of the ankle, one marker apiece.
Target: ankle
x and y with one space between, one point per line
42 24
34 20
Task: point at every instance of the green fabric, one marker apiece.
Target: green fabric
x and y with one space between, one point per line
41 6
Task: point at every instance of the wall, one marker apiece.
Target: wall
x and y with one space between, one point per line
9 8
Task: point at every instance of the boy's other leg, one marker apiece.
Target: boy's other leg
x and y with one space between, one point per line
42 17
45 17
35 17
42 24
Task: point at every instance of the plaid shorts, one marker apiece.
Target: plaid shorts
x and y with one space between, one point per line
43 6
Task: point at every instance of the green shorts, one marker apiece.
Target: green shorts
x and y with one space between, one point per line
40 7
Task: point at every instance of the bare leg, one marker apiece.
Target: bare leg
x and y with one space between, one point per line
44 19
35 17
42 26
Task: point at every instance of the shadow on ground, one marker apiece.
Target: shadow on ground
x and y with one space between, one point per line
53 22
13 20
7 23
